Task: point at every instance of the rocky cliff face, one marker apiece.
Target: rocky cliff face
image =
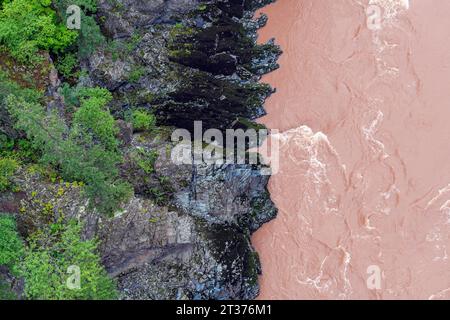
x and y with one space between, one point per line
185 234
201 65
195 244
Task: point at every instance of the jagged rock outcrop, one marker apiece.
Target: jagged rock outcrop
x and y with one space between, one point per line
206 66
122 18
195 245
185 234
228 195
187 63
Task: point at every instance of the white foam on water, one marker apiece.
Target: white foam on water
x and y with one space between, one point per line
391 8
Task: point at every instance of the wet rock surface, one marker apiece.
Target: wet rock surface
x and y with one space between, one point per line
203 65
185 234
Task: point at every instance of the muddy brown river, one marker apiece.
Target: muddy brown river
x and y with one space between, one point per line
363 190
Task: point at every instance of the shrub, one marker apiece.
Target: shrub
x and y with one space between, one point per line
142 120
11 246
70 95
49 255
8 87
6 145
145 159
67 64
29 25
7 169
136 74
5 291
93 120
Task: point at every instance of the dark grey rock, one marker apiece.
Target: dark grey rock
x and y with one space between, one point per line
123 17
125 132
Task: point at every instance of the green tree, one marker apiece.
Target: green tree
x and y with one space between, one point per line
87 151
8 87
7 169
67 64
94 120
29 25
11 246
142 120
47 260
90 36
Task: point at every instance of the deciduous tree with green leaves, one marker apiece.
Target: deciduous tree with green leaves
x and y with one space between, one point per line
11 246
29 25
47 260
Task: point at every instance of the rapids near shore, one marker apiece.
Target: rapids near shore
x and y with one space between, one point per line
364 179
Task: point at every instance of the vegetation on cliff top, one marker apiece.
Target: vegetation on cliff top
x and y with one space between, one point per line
47 260
50 255
86 151
29 25
89 36
11 246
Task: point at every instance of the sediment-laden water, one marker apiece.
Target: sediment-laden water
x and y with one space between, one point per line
364 182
